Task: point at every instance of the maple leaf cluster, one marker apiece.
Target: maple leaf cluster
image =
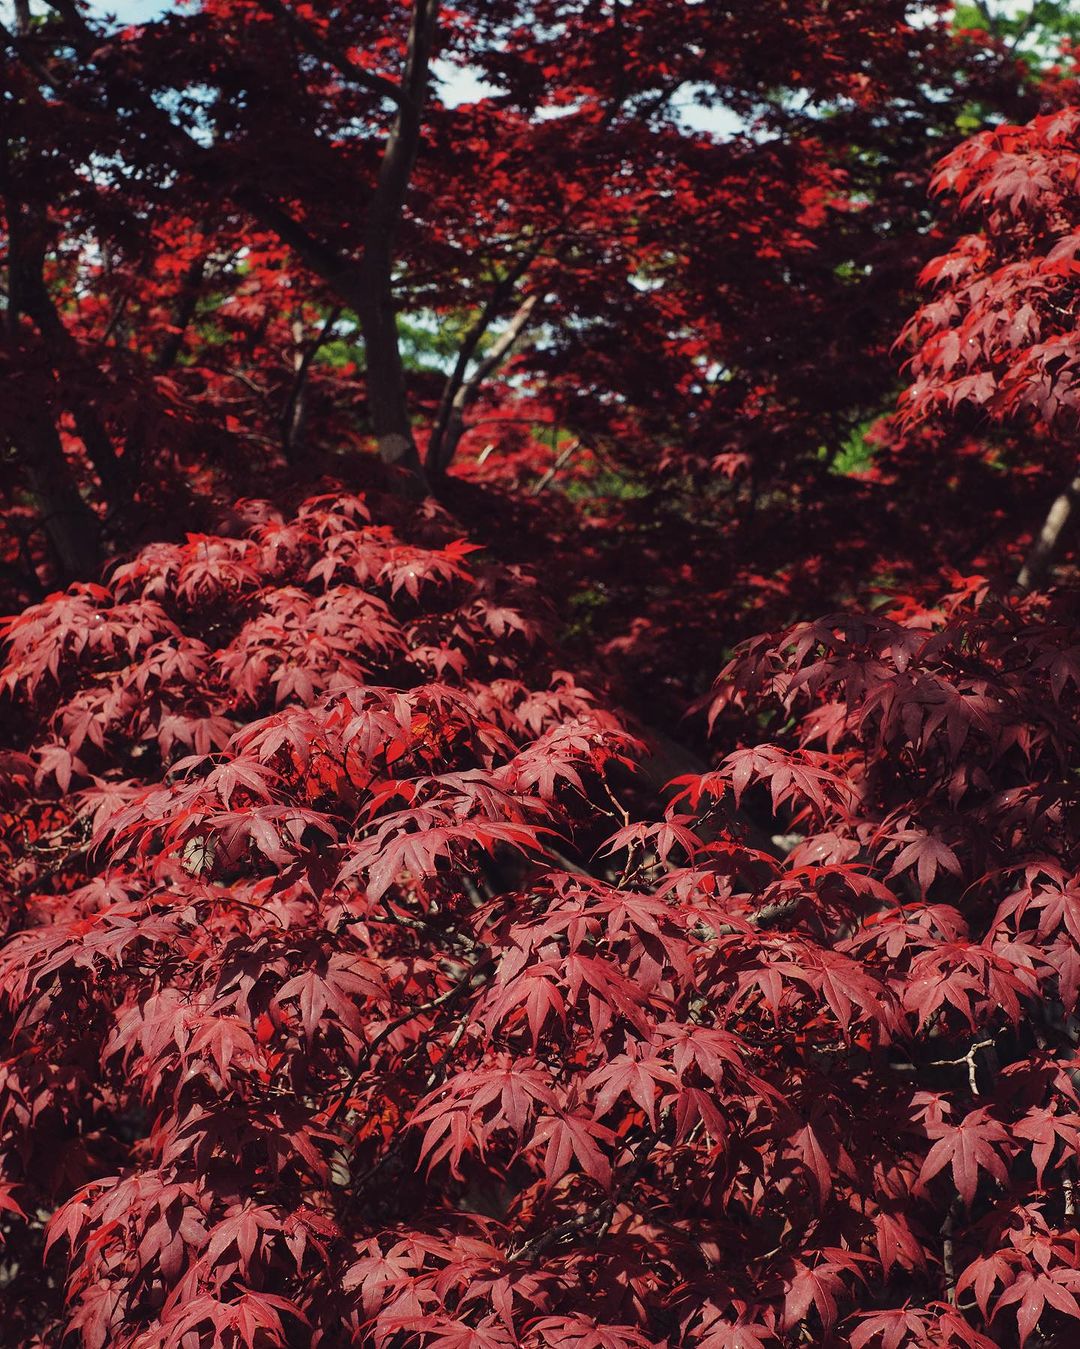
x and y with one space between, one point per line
272 786
346 1002
999 334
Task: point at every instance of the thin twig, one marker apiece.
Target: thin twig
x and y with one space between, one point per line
969 1059
546 478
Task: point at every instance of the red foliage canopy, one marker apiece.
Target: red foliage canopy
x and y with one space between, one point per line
1001 333
205 220
355 988
334 1018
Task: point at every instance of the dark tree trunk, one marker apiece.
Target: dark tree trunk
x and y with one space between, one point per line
385 371
70 525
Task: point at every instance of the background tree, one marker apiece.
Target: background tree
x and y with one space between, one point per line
572 199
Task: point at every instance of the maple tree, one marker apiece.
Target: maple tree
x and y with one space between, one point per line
347 999
999 336
364 980
178 309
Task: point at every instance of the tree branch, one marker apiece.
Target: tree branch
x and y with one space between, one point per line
317 46
293 416
989 18
187 301
438 459
333 267
1045 547
367 288
546 478
22 49
448 434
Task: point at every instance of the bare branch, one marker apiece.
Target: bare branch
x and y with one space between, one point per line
438 458
547 478
1045 547
293 415
451 424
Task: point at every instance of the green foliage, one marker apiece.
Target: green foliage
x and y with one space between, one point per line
607 484
855 454
1034 31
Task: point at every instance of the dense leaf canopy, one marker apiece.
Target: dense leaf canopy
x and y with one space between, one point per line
539 768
